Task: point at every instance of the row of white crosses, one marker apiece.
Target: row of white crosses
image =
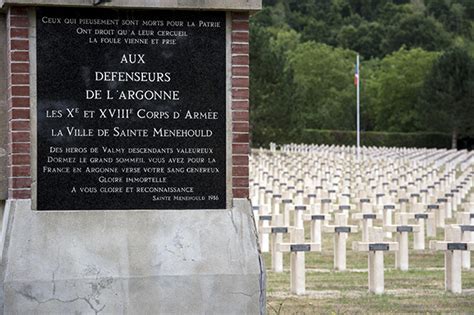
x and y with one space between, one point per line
321 184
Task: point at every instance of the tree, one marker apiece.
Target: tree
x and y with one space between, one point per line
324 90
395 87
416 30
453 15
447 97
270 85
365 38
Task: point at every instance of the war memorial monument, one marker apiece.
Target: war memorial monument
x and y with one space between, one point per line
124 142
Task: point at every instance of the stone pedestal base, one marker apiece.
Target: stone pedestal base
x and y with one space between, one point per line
132 262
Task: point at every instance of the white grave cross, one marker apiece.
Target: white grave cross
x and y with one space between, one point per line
376 247
452 247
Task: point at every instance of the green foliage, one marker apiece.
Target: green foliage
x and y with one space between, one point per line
395 88
452 14
302 55
416 30
272 104
322 76
447 98
368 138
366 38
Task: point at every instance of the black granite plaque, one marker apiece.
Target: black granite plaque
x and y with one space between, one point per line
471 216
467 228
300 208
433 206
379 247
404 228
342 229
300 248
389 207
457 246
265 218
421 216
344 207
131 109
318 217
369 216
279 229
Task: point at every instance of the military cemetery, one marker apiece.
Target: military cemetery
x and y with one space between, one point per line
236 157
400 176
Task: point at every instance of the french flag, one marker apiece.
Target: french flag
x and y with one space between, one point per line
356 75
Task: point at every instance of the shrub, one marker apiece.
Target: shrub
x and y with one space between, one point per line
344 137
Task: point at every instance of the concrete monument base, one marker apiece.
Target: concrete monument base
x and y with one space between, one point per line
132 262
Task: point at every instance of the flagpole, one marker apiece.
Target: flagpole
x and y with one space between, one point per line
358 107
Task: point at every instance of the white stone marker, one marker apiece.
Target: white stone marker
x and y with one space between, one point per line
344 208
276 232
376 247
387 217
297 247
256 215
379 198
441 213
424 196
402 230
466 219
344 199
367 222
340 230
287 207
419 237
265 220
313 206
365 205
326 205
466 231
452 247
431 221
449 205
317 221
299 212
299 197
413 200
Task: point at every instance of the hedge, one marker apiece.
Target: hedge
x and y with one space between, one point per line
264 136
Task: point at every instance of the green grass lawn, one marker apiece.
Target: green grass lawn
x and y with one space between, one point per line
419 290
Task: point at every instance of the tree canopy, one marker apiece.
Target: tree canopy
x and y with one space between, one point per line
447 97
416 65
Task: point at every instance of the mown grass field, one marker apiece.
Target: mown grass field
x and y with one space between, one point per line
419 290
